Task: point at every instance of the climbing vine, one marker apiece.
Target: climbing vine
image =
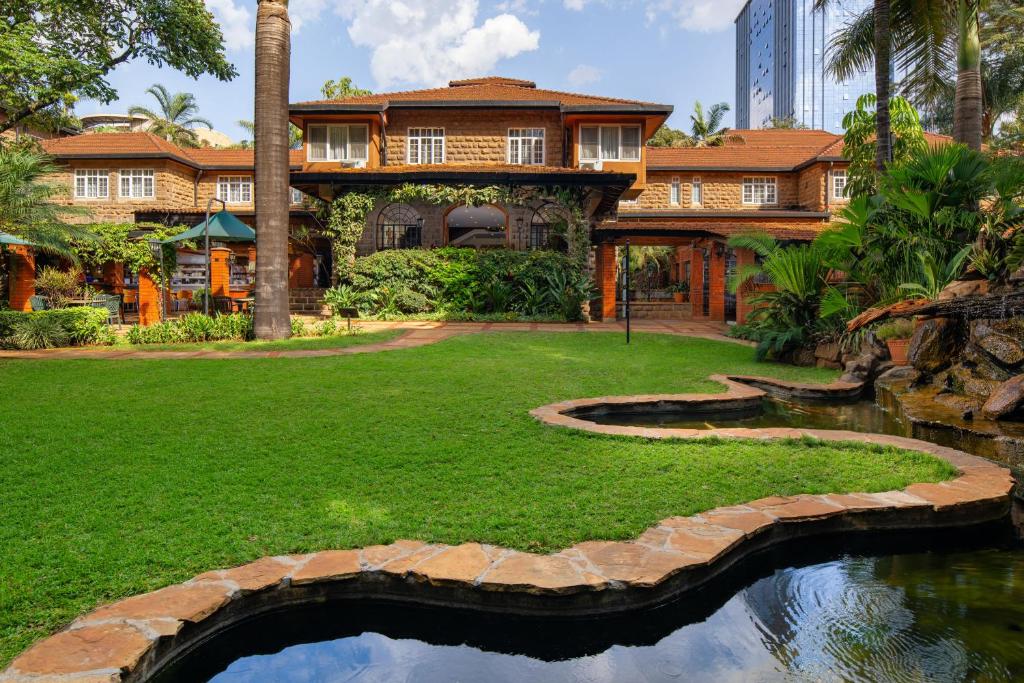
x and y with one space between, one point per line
347 214
113 243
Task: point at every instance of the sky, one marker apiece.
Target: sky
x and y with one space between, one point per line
666 51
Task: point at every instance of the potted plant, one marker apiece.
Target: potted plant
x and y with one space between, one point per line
680 291
896 334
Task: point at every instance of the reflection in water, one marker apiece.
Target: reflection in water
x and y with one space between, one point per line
912 617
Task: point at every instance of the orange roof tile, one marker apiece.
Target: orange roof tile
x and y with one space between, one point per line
490 88
770 149
214 157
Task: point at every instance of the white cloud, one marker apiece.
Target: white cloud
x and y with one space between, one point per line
236 22
705 16
424 42
576 5
584 74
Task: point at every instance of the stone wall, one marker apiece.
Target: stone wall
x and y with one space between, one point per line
720 191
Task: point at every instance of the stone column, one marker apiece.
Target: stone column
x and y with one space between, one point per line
149 299
22 282
606 264
220 271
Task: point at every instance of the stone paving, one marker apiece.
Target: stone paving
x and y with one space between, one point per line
415 334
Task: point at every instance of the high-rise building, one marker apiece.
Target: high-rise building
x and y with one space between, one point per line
781 56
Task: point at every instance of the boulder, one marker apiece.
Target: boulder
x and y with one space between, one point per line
935 344
963 380
829 352
1007 399
1001 339
983 365
961 288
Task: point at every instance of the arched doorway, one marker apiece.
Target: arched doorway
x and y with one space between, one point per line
399 226
549 227
480 227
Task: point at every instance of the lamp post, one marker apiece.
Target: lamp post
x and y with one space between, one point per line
156 247
206 234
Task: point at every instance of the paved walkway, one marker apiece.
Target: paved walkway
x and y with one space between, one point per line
415 334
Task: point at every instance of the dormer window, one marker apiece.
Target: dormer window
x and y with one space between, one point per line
338 143
609 143
425 146
526 146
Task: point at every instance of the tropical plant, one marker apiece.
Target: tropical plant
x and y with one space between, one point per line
860 142
900 328
935 275
176 118
666 136
707 130
273 56
28 206
342 88
40 332
785 123
58 285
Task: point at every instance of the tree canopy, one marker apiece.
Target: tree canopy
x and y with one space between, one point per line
342 88
55 51
177 116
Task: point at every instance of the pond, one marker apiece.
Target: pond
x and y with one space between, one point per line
908 616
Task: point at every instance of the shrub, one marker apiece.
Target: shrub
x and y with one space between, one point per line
78 325
901 328
58 285
193 327
196 327
298 327
40 332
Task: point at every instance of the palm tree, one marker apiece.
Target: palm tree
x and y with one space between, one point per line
707 131
27 207
176 118
967 108
273 57
294 134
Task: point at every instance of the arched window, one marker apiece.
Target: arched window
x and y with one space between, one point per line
399 226
549 227
483 227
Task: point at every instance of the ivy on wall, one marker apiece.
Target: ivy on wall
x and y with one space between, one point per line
347 214
113 244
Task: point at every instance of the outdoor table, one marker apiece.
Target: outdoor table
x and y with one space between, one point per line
79 302
244 304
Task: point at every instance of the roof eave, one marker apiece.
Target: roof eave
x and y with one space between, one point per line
708 169
69 156
740 214
640 108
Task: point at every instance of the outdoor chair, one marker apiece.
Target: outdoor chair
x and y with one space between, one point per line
223 304
113 306
38 302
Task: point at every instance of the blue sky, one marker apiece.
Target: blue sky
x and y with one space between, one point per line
667 51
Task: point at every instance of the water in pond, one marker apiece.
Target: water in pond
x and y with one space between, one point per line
916 616
860 416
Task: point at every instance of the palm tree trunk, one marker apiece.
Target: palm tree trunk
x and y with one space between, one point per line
883 56
273 56
967 107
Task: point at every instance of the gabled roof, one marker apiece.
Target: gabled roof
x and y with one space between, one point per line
144 145
490 91
749 150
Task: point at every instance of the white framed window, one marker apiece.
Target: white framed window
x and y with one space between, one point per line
696 191
91 183
235 189
425 146
338 143
297 196
137 183
760 190
839 184
610 143
526 146
675 191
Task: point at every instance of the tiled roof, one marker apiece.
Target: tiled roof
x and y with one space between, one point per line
146 145
803 229
491 88
773 149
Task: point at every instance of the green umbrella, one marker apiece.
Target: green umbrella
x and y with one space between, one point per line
224 227
6 238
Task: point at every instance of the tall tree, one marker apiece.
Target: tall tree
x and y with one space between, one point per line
177 116
273 57
883 55
342 88
669 137
707 130
55 51
967 108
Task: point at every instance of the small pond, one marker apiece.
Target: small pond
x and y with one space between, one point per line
908 616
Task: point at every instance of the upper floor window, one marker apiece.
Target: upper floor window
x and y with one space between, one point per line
526 146
609 143
426 146
339 143
696 191
235 189
760 190
839 184
675 192
91 183
137 183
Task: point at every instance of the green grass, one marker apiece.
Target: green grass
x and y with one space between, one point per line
292 344
119 477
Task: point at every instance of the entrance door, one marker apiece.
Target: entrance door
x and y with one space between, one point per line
730 299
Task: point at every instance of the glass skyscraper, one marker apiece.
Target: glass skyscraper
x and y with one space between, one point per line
780 64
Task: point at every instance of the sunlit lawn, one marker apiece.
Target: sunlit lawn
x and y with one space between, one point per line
118 477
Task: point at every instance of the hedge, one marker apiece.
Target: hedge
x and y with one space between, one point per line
83 325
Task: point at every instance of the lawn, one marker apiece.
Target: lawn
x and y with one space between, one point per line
291 344
119 477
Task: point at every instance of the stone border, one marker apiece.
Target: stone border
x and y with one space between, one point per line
132 639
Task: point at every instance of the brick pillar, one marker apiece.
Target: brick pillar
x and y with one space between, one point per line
716 291
22 283
149 299
220 271
113 277
300 270
605 275
744 257
697 282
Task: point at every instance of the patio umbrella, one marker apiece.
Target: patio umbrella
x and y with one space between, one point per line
6 238
224 227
